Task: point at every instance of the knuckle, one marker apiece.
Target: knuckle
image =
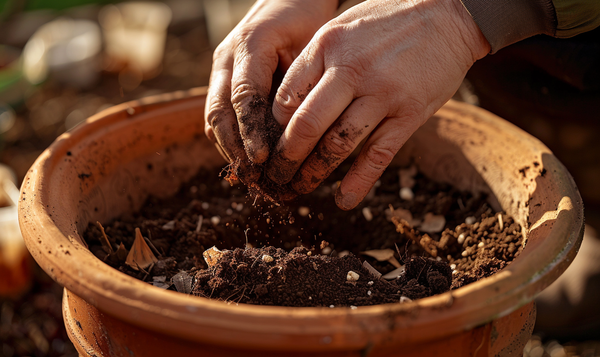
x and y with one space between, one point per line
353 66
241 93
243 34
287 100
217 114
377 158
221 51
331 35
338 145
308 126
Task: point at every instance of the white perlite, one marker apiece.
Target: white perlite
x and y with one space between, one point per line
267 258
352 276
303 211
366 211
407 194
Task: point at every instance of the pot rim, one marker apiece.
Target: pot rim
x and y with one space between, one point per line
177 314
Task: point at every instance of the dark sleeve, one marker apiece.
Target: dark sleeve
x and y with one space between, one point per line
576 16
504 22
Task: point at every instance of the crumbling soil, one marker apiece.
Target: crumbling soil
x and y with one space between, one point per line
313 244
260 133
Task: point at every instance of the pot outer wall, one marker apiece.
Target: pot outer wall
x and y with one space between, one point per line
95 333
109 166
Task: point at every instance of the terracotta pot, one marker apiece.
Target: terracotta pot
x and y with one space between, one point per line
109 165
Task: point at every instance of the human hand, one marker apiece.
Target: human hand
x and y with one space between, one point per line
376 72
238 115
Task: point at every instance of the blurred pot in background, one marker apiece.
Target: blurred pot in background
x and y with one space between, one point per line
67 50
134 35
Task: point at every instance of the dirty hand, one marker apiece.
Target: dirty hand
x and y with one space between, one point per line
237 113
376 72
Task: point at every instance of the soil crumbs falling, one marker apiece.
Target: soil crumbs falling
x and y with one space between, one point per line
423 237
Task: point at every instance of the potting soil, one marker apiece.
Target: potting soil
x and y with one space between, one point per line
309 252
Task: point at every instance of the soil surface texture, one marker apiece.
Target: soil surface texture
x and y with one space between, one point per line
423 237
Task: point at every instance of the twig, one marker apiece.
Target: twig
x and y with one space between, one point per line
104 240
151 245
149 271
199 225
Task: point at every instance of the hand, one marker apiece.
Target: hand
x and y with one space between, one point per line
237 113
376 72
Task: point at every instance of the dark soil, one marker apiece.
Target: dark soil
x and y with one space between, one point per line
208 211
299 278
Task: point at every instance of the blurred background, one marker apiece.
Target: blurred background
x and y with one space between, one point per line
62 61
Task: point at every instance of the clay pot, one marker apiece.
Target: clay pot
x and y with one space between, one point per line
109 165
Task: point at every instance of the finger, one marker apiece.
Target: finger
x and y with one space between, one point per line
251 83
374 158
221 120
302 76
210 134
353 126
315 115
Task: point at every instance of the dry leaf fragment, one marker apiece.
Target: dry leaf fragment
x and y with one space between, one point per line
433 223
168 226
140 255
182 282
383 255
212 256
394 273
374 272
160 282
122 253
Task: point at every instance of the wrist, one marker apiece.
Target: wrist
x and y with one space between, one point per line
469 30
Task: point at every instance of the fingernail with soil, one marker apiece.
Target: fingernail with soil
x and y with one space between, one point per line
346 201
258 154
